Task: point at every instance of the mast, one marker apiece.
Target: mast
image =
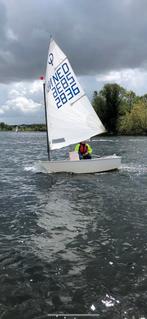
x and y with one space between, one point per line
48 146
47 136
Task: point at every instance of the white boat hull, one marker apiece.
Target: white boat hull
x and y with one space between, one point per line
96 165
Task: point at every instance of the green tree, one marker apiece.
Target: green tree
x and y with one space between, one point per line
135 122
113 94
99 105
107 105
129 98
2 125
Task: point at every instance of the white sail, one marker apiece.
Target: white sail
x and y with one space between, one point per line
70 115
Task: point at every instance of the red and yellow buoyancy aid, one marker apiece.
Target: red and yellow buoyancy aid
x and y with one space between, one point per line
83 149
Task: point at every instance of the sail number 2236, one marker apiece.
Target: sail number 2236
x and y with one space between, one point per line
63 85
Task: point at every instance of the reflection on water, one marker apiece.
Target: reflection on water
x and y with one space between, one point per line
72 243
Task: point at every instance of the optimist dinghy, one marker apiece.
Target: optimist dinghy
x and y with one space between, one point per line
70 118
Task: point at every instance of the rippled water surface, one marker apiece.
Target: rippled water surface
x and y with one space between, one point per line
72 244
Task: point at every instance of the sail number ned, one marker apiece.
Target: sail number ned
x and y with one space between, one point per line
63 85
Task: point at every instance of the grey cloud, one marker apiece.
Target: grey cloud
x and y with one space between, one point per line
96 35
17 118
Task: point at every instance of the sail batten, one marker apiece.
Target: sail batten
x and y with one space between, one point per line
60 63
78 99
67 125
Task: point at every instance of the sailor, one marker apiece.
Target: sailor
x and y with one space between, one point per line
84 150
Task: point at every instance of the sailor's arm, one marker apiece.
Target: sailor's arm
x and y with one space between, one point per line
89 149
77 148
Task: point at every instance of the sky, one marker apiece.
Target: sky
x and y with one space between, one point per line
105 41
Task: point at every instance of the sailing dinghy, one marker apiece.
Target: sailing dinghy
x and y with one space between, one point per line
70 118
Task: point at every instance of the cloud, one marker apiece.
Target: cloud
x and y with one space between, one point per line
96 35
23 102
130 79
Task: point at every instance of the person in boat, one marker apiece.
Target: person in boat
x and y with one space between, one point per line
84 150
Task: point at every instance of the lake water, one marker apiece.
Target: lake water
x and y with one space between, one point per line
72 244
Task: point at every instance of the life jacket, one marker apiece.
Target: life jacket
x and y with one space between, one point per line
83 148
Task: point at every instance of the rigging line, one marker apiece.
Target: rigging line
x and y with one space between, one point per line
60 63
78 99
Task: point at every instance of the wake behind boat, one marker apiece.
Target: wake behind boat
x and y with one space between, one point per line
70 117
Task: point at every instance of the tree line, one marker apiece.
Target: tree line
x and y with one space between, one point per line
23 127
122 112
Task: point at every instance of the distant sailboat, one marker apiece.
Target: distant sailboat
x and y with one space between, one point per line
16 129
70 117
